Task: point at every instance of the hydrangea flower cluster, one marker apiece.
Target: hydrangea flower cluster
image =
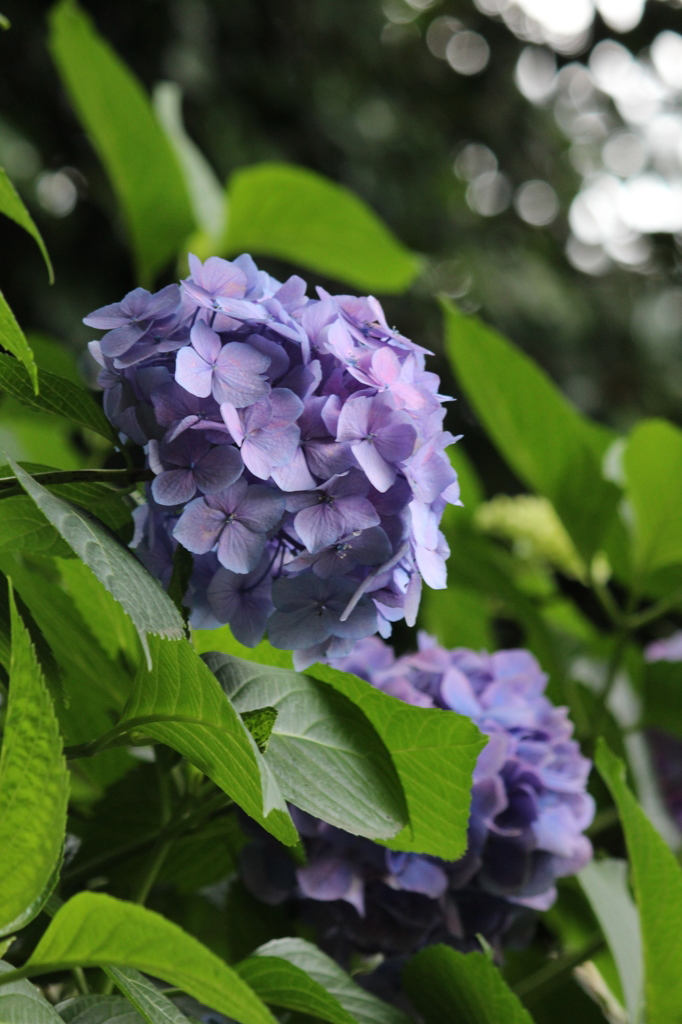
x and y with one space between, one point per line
528 812
298 451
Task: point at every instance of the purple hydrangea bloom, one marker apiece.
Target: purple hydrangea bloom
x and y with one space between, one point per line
529 810
296 442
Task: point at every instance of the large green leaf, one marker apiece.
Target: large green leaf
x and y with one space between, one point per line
448 986
142 597
653 470
204 189
605 883
96 685
22 1003
296 975
433 751
23 527
657 883
57 395
104 616
136 153
151 1004
95 496
180 703
12 338
93 930
94 1009
34 788
12 206
327 758
290 212
552 448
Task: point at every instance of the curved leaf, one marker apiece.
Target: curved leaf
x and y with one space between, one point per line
546 441
327 758
445 985
142 597
657 882
93 930
136 154
34 788
23 527
22 1003
57 395
12 206
653 468
12 338
94 1009
293 973
434 752
152 1005
180 703
290 212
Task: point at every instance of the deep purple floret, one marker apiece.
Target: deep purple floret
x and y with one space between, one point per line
296 442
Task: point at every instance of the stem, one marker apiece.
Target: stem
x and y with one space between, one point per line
608 602
655 611
9 486
557 970
125 850
80 980
155 864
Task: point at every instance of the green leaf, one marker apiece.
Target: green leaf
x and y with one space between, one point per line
180 703
93 930
551 447
653 469
605 883
115 111
296 975
23 527
103 615
23 1003
327 758
97 497
290 212
448 986
434 752
12 206
34 788
57 395
204 189
12 338
96 685
134 588
657 883
93 1009
152 1005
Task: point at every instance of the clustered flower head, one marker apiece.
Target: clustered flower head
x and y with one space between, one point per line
529 809
298 451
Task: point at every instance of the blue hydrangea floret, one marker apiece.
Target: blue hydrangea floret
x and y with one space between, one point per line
298 453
